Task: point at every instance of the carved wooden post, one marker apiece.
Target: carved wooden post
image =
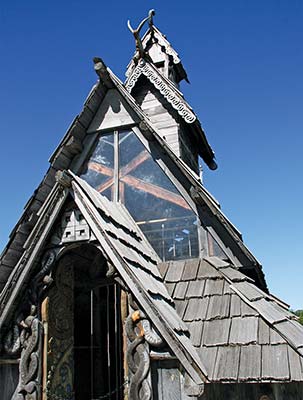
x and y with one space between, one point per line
29 384
30 338
141 336
60 341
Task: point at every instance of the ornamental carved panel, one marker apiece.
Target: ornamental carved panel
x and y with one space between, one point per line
60 368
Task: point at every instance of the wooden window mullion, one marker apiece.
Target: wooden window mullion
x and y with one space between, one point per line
116 167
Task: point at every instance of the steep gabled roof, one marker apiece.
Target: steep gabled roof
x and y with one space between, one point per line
240 332
125 247
73 150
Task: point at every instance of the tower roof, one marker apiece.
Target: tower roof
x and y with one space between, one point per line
153 42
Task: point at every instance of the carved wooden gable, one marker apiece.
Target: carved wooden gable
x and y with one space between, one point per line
68 284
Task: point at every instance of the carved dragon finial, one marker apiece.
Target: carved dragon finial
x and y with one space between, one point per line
136 32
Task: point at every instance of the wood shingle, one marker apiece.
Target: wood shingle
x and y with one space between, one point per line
244 330
275 362
250 362
227 363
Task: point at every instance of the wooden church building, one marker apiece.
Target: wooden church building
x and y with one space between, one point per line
123 279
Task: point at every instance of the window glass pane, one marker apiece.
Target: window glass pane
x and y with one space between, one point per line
151 198
213 247
155 204
99 170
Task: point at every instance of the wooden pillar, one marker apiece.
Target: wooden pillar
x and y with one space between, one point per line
44 317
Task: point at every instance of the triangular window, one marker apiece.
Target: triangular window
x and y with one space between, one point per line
121 169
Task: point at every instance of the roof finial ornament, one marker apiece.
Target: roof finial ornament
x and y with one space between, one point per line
136 32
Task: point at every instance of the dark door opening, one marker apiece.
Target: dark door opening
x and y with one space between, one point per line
98 357
85 336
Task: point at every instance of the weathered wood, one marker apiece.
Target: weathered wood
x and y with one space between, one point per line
166 380
39 236
213 286
175 271
163 267
86 116
131 281
235 306
275 362
44 320
8 380
170 288
227 289
195 288
61 161
243 330
295 365
250 362
190 270
276 338
207 271
124 313
11 256
250 291
292 330
196 329
208 356
73 145
196 309
259 391
216 332
227 364
219 307
114 112
270 313
247 311
180 307
264 332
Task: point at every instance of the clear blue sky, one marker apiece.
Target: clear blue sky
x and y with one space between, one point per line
244 60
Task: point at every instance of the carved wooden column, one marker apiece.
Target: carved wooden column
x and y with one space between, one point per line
60 341
141 337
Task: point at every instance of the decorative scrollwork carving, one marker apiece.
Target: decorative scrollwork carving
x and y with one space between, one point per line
138 359
28 387
60 333
141 335
29 339
170 95
151 336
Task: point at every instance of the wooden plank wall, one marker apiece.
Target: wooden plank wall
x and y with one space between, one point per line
169 124
9 376
166 380
153 104
254 391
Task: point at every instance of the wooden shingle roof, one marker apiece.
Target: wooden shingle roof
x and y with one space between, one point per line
73 148
241 333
